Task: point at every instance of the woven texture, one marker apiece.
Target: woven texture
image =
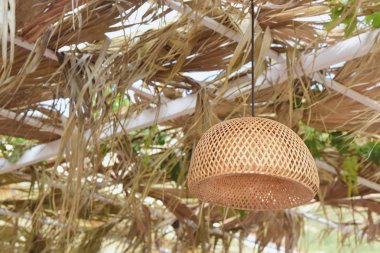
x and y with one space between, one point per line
253 164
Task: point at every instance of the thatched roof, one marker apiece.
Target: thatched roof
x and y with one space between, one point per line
102 103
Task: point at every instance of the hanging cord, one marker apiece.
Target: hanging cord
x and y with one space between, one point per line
252 58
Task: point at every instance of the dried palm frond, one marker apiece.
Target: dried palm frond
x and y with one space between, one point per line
63 67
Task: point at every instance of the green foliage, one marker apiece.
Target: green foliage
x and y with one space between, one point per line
13 148
148 138
242 213
343 13
314 140
104 148
341 141
121 101
350 173
175 172
371 151
297 102
373 19
155 144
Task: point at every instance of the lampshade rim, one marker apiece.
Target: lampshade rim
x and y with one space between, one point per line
252 173
194 189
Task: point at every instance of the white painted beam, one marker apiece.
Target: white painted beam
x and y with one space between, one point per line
338 87
166 111
205 21
51 55
331 224
346 50
148 117
146 93
367 46
30 121
34 155
29 46
214 25
285 6
365 182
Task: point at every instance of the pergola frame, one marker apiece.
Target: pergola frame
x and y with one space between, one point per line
310 64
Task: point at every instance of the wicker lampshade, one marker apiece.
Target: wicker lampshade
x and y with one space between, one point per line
253 164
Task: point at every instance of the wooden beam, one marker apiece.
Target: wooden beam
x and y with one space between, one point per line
342 227
30 121
214 25
166 111
146 93
365 182
338 87
34 155
205 21
51 55
29 46
310 63
148 117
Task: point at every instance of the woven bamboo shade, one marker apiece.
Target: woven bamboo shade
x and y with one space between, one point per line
253 164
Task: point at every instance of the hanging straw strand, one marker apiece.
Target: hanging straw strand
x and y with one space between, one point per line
252 58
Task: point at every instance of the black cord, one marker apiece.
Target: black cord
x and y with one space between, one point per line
252 58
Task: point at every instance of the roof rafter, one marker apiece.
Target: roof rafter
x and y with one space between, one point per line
146 93
365 182
310 63
30 46
30 121
347 91
214 25
146 118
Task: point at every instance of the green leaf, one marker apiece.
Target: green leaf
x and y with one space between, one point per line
373 19
242 213
336 12
297 102
174 173
3 150
340 10
120 102
16 154
313 147
341 141
371 151
350 173
314 140
161 140
350 22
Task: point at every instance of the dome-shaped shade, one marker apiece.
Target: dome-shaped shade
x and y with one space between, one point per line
253 164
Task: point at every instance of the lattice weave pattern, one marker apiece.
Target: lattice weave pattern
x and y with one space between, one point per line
253 164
